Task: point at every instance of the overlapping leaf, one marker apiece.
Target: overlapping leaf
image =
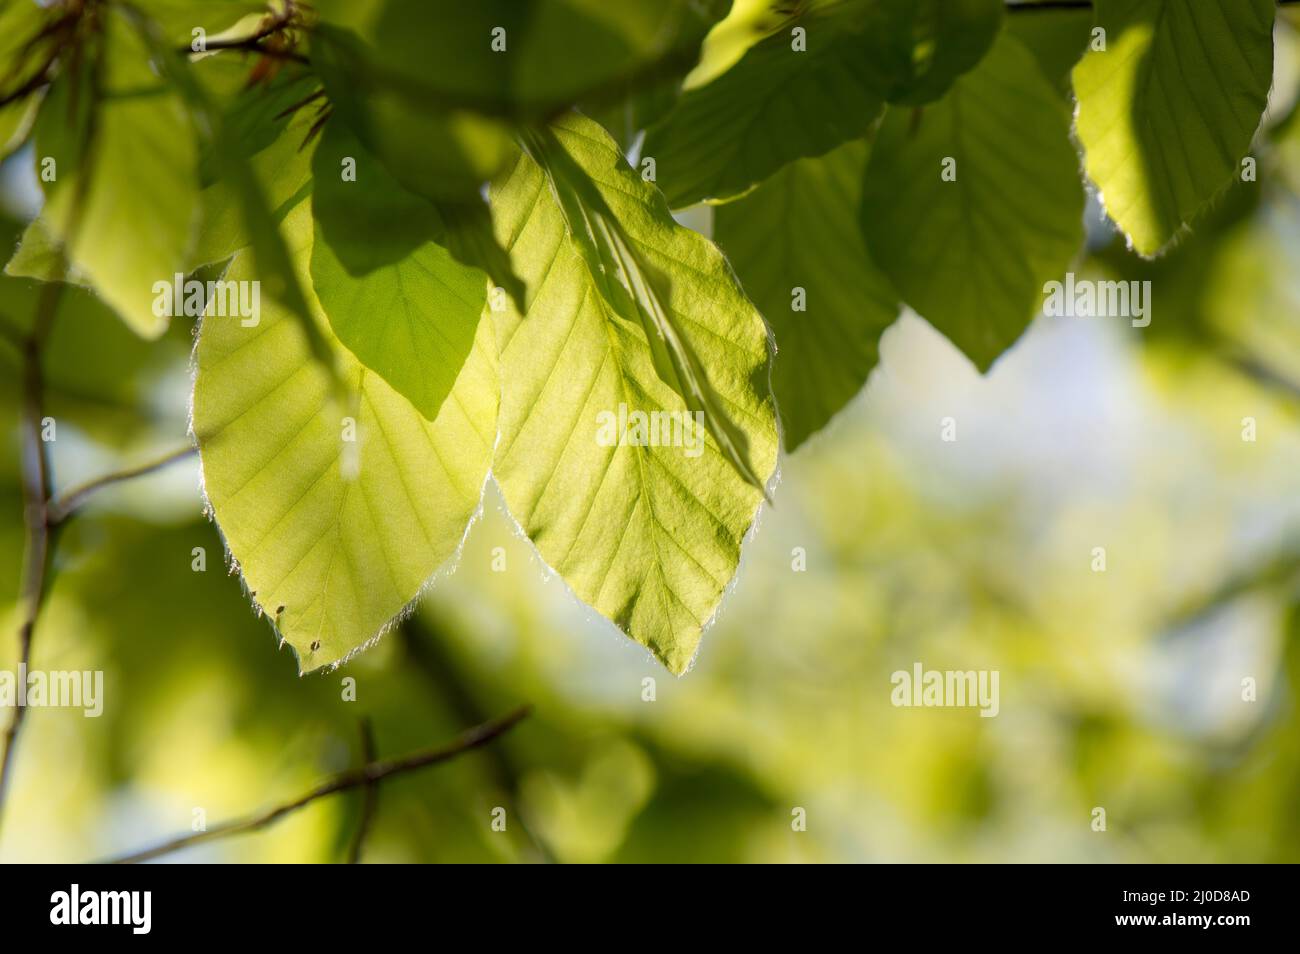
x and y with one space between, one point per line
334 537
819 79
394 295
796 245
648 535
971 255
120 147
1168 109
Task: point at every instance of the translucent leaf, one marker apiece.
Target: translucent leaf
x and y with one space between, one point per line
646 528
395 296
1168 110
335 516
124 162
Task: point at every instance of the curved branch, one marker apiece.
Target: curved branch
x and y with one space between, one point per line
367 775
37 477
67 503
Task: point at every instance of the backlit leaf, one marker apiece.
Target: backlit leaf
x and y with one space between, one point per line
334 537
1168 110
648 535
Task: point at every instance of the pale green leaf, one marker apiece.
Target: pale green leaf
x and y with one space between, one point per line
632 287
125 163
334 538
276 275
799 230
395 296
16 122
1168 110
39 255
971 255
648 535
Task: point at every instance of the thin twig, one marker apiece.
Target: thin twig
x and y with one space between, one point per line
37 478
38 80
370 794
67 503
367 774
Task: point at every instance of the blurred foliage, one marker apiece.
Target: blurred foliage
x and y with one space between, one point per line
1120 689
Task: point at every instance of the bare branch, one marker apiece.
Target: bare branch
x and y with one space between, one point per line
61 509
37 478
368 774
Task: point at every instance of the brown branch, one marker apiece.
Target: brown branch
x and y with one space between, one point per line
36 479
67 503
370 795
366 775
38 80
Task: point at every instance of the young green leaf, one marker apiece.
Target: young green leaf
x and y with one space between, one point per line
621 488
40 255
819 79
116 155
277 277
396 297
974 202
1168 109
336 517
633 288
23 57
797 248
470 239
